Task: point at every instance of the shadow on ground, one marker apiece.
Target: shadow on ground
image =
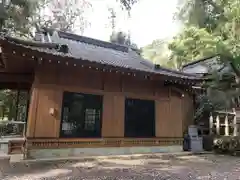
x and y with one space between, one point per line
141 167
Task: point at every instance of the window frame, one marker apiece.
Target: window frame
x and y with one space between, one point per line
86 103
153 102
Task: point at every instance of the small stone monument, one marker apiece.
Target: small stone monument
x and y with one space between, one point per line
196 144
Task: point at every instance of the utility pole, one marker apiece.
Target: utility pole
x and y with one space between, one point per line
113 19
129 26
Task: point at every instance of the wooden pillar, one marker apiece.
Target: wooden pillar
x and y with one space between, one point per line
119 114
107 117
235 125
218 125
32 112
211 124
226 126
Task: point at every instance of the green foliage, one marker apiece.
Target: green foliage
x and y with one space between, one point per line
15 15
213 31
202 13
219 96
157 52
7 108
193 43
22 17
204 107
211 27
65 15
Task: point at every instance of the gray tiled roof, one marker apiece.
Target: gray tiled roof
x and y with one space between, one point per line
112 54
88 49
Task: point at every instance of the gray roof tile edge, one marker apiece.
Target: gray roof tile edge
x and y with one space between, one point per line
160 71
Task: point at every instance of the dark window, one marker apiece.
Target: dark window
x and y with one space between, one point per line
81 115
139 118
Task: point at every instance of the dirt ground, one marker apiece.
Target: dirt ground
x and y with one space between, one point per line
149 167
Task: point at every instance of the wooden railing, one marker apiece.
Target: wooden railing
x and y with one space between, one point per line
216 124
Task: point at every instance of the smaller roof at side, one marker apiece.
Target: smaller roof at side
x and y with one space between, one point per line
199 60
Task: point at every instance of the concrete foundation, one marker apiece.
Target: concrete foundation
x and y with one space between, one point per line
78 152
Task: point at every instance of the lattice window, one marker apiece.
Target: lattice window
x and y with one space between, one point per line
91 115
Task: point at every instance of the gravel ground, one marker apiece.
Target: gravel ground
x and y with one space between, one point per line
151 167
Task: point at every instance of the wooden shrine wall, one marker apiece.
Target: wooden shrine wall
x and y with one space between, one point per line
50 83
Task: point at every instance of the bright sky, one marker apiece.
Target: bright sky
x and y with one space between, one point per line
150 20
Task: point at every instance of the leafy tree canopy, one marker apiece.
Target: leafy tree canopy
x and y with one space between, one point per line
214 30
157 51
210 27
15 15
21 17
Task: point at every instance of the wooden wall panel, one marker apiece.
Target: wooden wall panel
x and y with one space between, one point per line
107 116
176 119
162 116
169 117
47 125
81 78
188 111
113 115
46 75
172 111
119 115
112 82
141 87
162 92
48 96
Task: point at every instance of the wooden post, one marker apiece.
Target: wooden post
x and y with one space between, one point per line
218 125
235 125
226 126
235 129
210 124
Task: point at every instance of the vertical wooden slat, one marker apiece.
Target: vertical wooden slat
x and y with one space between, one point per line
176 120
187 111
119 115
58 97
46 124
113 115
162 116
107 117
32 112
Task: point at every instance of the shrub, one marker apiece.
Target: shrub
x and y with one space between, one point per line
226 144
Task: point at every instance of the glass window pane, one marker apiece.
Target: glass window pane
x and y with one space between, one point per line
81 116
139 118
